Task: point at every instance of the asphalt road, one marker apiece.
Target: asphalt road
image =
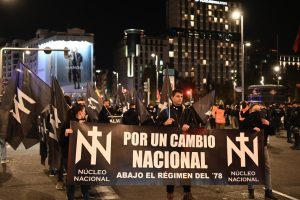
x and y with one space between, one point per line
27 179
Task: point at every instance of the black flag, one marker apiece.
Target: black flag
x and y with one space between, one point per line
25 97
166 91
58 114
142 111
204 104
58 110
93 105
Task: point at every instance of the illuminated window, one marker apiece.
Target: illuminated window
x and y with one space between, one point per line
227 63
192 17
209 7
226 8
226 26
186 54
192 4
215 19
204 62
186 74
221 20
198 12
192 23
171 40
209 13
237 22
185 16
171 54
192 74
232 45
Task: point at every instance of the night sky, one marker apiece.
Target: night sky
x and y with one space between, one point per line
263 21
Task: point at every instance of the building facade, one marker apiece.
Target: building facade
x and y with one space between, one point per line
72 68
152 57
204 42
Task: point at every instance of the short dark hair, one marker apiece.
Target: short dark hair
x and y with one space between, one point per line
76 108
68 100
176 91
244 104
131 105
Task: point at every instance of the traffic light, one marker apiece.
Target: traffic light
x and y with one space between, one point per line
146 86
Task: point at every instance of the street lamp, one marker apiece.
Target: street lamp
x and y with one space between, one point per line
277 72
23 55
157 70
233 78
238 15
117 76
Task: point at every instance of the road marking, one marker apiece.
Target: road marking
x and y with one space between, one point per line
284 195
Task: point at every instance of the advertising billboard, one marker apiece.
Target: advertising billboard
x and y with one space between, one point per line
73 69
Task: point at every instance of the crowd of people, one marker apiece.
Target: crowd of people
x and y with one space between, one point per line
245 115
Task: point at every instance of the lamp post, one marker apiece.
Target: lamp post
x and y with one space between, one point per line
117 77
238 15
277 72
157 70
233 78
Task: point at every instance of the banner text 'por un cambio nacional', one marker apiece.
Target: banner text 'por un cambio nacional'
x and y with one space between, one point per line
116 154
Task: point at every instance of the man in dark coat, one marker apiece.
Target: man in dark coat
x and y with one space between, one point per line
104 115
130 117
177 116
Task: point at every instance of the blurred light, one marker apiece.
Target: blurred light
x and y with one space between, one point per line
236 14
276 68
247 44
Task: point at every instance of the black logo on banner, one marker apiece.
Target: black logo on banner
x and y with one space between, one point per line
96 145
243 150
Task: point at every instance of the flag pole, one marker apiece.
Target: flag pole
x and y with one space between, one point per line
168 93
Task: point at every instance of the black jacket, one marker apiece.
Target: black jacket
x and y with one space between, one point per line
103 116
181 116
130 117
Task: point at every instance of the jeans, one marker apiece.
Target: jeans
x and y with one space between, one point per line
268 185
2 150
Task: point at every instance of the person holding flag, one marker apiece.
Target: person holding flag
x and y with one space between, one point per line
78 114
176 115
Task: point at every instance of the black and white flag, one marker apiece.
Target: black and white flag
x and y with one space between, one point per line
93 105
25 97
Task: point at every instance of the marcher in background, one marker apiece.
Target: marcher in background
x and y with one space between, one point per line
243 113
3 159
130 117
220 117
234 115
212 118
295 124
256 121
3 154
104 115
276 114
287 122
175 116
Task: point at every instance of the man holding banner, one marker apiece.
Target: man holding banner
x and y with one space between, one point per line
256 121
175 115
78 115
